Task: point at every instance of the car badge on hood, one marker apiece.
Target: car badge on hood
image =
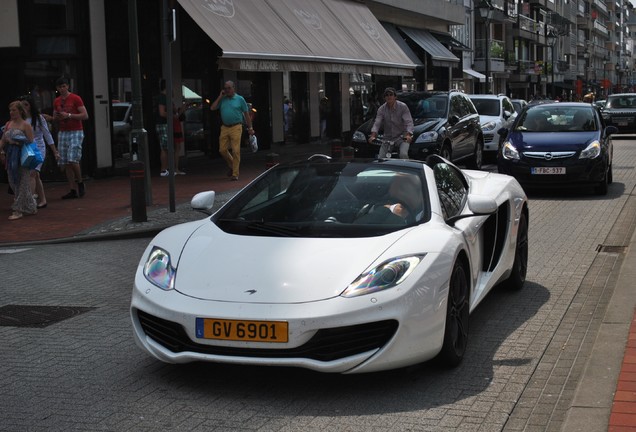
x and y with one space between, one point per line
548 156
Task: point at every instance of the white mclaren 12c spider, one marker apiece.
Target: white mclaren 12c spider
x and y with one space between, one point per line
343 266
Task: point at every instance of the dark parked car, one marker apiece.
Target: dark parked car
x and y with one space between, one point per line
620 111
446 123
559 144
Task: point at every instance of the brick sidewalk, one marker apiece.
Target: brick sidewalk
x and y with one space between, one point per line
623 416
109 199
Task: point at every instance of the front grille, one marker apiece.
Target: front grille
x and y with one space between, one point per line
488 137
625 119
552 155
326 345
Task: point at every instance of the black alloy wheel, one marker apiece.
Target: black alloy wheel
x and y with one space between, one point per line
457 317
477 160
446 153
603 186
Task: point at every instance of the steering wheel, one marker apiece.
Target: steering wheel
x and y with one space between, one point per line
364 210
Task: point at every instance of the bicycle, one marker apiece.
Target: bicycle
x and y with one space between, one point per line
392 147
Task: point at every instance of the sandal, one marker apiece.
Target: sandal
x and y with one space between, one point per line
15 216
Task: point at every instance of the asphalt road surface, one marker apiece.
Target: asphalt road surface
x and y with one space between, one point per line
523 362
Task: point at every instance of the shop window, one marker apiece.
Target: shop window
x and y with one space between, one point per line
52 15
49 45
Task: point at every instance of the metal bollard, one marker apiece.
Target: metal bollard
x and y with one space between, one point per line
137 173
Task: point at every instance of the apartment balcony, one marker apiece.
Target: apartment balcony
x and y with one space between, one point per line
600 28
527 28
527 70
600 6
496 55
584 22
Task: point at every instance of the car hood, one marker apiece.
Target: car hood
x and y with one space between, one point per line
551 141
215 265
426 124
419 125
483 119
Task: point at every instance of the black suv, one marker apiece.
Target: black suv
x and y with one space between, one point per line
446 123
620 111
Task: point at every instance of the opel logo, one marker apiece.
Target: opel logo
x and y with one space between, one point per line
548 156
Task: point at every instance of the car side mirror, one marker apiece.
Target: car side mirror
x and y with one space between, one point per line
203 202
609 130
453 120
507 114
479 205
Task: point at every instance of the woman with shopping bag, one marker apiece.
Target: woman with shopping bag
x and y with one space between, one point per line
18 133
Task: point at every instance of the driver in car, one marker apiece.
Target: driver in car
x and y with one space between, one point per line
395 119
403 205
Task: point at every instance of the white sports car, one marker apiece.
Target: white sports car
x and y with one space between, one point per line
342 266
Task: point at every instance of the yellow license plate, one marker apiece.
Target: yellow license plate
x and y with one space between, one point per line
239 330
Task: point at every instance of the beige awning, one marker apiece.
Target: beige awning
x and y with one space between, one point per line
299 35
397 37
473 73
440 55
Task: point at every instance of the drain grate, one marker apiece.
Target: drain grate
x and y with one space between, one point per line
37 316
611 249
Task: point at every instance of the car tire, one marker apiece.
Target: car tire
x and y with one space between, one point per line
477 160
520 266
603 186
610 175
457 317
446 152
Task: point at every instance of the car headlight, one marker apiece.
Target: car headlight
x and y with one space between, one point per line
489 126
509 151
430 136
591 151
359 136
159 270
386 275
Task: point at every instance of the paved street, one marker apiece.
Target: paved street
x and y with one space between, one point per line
526 357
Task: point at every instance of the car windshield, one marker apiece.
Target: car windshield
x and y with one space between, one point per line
119 112
328 199
423 105
621 101
558 119
487 107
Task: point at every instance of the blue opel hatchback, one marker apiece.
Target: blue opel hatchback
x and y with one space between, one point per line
558 144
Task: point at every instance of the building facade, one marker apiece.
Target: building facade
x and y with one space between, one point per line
340 52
